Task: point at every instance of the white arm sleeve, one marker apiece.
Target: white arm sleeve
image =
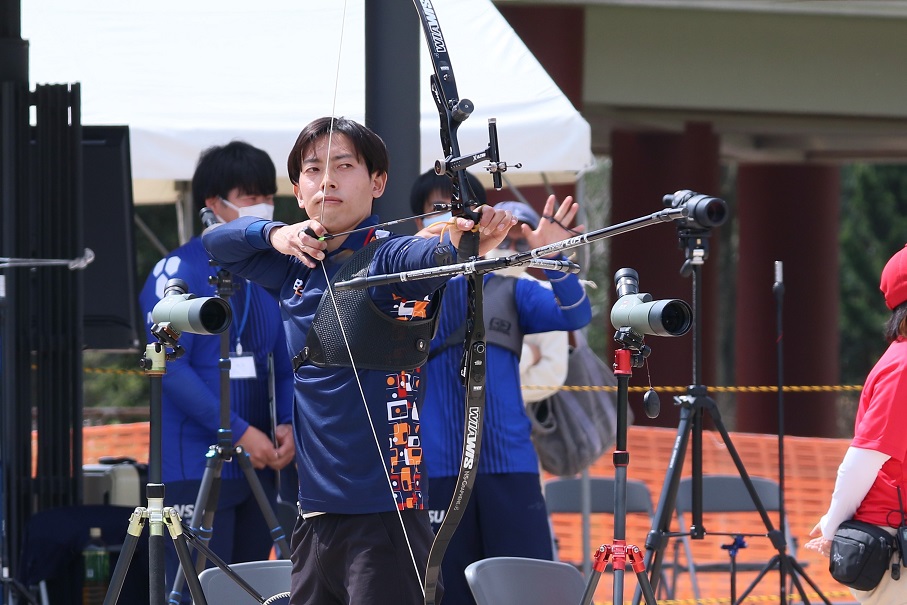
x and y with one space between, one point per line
551 369
856 475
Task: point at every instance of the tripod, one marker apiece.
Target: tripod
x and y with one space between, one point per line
782 561
693 404
156 516
632 354
202 522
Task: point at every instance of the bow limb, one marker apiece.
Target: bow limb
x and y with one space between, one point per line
452 112
472 372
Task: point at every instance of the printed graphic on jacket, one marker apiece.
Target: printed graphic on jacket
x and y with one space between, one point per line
404 440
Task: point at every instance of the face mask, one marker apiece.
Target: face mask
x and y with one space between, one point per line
431 220
513 270
265 211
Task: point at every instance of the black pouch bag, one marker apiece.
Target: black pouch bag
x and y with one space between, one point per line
860 553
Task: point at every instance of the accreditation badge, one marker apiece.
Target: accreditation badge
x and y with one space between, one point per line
242 366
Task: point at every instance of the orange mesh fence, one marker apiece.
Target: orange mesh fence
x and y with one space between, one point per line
118 440
810 469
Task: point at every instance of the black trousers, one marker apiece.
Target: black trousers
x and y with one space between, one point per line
360 559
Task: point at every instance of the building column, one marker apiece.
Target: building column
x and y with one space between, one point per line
787 213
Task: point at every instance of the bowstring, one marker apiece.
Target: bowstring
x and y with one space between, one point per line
346 342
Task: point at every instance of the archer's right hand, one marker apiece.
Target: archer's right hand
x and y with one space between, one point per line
297 240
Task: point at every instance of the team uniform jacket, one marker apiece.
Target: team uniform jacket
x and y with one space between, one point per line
191 387
506 446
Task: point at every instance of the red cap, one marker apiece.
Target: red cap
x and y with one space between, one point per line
894 279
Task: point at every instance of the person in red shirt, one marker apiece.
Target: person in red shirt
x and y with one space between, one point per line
872 480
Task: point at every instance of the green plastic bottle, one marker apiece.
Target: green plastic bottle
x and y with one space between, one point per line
96 576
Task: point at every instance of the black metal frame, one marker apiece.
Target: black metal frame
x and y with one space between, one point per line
42 333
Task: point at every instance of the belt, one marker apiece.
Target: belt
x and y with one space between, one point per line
307 514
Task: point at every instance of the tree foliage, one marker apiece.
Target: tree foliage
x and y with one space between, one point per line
873 227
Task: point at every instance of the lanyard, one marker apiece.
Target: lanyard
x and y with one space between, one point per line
245 316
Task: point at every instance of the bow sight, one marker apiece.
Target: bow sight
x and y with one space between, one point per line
492 154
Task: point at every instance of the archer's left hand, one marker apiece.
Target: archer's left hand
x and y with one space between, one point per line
493 228
554 224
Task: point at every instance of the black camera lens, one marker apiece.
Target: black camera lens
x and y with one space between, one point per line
703 211
707 211
626 281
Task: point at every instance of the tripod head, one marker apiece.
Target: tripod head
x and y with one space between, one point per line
223 279
630 339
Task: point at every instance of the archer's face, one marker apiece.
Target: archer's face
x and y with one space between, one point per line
337 193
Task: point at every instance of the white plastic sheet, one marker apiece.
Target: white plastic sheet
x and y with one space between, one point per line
188 74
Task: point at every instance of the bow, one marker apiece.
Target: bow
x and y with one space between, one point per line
452 111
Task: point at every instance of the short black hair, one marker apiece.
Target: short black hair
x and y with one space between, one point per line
236 165
895 323
368 145
428 181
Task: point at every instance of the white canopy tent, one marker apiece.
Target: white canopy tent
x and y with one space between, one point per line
185 75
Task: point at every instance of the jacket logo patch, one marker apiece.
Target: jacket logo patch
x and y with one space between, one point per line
499 325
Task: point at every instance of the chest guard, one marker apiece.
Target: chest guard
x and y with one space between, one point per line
377 341
502 319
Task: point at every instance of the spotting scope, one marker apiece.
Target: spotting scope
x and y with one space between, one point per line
186 312
667 317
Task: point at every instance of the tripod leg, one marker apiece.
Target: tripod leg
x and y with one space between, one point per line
657 539
797 572
202 522
776 536
212 556
175 526
12 587
277 534
639 567
599 562
741 470
772 564
136 524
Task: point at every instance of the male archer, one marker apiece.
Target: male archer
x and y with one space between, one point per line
363 534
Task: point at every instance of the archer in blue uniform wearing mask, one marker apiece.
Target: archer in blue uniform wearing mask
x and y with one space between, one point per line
232 180
506 515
